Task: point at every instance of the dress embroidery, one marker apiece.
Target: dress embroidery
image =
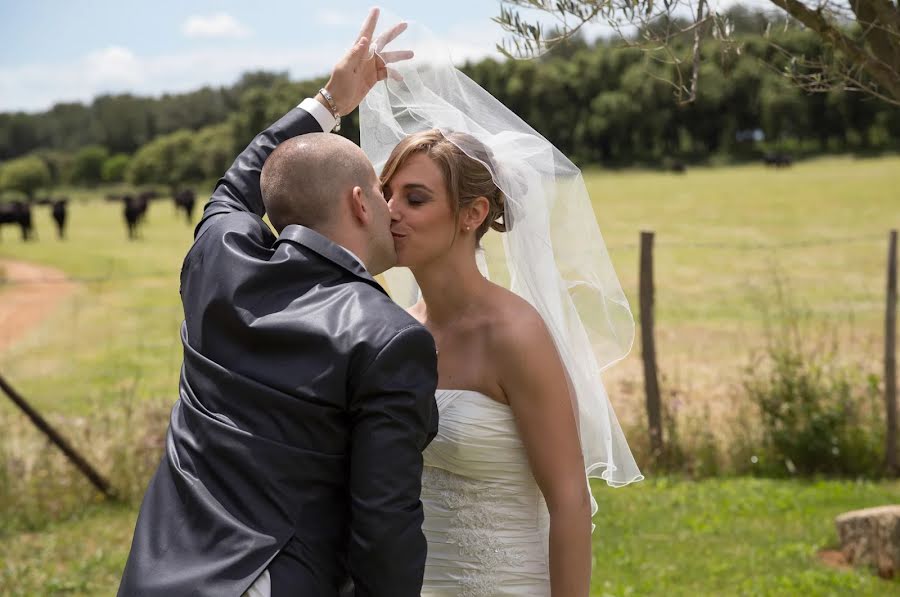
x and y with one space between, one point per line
476 507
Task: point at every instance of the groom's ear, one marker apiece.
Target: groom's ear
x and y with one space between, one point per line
359 208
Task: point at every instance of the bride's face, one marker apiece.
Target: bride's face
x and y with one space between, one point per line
422 220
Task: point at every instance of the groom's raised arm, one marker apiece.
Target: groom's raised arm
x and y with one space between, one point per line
351 79
238 190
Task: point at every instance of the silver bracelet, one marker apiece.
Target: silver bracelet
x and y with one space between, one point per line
333 108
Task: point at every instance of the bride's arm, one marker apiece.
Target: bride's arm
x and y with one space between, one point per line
534 381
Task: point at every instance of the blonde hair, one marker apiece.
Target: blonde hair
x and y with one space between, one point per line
466 178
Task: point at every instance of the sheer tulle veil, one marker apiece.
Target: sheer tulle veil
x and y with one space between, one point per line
552 254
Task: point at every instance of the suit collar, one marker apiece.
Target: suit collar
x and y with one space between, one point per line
327 248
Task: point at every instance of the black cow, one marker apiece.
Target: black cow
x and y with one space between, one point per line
59 216
185 200
19 213
778 159
135 211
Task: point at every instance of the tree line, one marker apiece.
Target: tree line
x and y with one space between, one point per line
600 103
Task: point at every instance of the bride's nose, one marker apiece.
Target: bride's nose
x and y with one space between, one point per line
394 209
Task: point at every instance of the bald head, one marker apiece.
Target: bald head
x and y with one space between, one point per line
304 178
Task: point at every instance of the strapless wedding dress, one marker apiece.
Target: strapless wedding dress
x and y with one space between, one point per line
486 521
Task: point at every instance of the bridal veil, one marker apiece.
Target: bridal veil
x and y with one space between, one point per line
552 254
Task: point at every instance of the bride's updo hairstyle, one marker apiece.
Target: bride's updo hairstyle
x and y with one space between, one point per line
466 178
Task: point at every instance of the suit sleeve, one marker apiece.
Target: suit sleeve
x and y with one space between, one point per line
394 416
238 190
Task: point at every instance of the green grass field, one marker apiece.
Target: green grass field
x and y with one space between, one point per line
662 537
113 346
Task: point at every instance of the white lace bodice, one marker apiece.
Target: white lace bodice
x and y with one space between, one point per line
486 521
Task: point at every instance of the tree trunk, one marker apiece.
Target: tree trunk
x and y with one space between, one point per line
871 537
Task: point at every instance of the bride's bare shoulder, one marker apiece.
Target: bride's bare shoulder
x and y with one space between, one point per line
516 324
523 350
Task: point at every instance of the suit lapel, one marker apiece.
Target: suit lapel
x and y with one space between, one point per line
328 249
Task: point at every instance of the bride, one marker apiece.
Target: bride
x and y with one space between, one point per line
523 413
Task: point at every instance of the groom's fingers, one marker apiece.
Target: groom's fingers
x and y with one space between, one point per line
391 57
359 52
381 71
368 27
391 34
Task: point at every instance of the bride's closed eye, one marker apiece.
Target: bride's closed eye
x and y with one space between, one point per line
417 194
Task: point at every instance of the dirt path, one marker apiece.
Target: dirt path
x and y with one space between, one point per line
30 294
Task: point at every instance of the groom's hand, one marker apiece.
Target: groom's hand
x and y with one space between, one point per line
360 68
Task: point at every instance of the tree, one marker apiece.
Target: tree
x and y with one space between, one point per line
87 167
18 134
168 160
59 164
213 150
115 168
66 126
862 37
26 175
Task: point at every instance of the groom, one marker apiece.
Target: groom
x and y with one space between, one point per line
293 455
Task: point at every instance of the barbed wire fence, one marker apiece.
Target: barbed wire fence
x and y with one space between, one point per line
112 275
654 407
127 380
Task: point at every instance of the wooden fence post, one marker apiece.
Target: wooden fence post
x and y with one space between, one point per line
890 358
648 346
79 461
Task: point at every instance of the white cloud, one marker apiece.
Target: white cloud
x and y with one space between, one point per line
113 65
36 87
215 25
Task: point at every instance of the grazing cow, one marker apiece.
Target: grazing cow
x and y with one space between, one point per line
59 216
778 159
135 210
185 200
19 213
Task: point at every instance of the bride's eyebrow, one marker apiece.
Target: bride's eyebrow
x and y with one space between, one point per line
416 186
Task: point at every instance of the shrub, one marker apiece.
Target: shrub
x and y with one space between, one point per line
26 175
87 167
817 414
115 168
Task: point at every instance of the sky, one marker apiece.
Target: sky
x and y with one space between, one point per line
57 51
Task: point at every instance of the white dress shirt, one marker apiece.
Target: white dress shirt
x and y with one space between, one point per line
322 114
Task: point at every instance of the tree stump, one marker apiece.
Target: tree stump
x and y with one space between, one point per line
871 537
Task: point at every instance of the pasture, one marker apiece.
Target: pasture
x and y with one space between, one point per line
103 364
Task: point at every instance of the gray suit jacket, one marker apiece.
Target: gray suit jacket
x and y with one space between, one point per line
305 400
